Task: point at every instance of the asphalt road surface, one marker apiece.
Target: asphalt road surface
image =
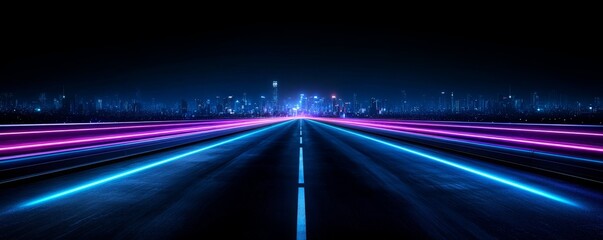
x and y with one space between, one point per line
300 179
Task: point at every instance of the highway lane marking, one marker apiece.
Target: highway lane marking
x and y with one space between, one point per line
481 173
301 159
301 197
301 214
140 169
301 165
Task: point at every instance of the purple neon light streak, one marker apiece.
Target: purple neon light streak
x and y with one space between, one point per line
472 135
129 142
85 124
109 128
491 128
134 135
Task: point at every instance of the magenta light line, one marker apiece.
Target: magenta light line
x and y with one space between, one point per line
110 128
129 142
513 124
490 128
121 136
479 136
90 123
495 145
125 136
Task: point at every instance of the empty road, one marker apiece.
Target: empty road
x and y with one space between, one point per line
308 179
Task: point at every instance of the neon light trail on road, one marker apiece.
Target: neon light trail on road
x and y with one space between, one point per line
459 166
123 174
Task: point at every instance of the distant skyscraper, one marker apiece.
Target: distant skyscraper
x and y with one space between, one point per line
302 102
263 107
442 101
228 104
374 109
183 107
42 101
334 104
99 105
275 94
535 99
403 102
452 106
355 104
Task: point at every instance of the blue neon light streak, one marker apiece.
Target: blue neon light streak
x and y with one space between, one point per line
106 146
490 145
94 148
301 214
465 168
140 169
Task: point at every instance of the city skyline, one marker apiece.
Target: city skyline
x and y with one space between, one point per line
441 105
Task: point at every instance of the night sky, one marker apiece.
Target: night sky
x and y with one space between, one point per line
172 60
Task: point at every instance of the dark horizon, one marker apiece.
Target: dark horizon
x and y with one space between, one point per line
370 59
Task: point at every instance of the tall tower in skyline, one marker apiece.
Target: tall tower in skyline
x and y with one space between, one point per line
442 101
403 107
452 101
535 100
374 109
355 104
275 94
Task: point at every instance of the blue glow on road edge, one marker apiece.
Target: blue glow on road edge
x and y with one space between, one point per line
490 145
139 169
465 168
301 214
301 165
